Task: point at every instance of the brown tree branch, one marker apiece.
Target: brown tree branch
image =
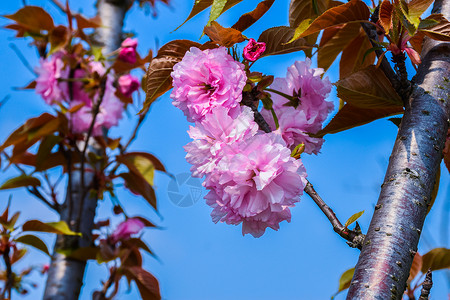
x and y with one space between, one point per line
9 275
426 286
393 235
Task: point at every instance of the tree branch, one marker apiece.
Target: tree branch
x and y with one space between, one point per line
355 239
9 278
59 5
426 286
391 242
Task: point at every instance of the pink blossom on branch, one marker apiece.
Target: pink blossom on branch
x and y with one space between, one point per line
127 51
218 128
255 183
126 229
128 84
49 73
253 50
307 111
203 80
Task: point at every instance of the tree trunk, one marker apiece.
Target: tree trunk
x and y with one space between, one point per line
391 242
65 276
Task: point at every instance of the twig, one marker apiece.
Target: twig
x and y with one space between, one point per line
426 286
9 278
59 5
248 99
22 58
355 239
135 131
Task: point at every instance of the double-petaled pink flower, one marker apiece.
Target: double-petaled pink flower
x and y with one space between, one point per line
126 229
204 80
50 72
127 52
253 50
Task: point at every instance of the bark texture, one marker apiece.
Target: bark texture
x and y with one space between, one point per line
392 238
65 276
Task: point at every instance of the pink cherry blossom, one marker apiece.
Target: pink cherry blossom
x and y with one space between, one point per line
253 50
111 108
217 129
127 52
49 73
207 79
256 184
127 228
309 91
128 84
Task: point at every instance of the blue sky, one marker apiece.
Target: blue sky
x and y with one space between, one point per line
197 258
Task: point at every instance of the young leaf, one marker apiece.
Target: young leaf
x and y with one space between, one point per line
20 181
60 227
356 55
415 267
248 19
82 22
147 283
440 31
353 11
33 18
353 218
385 15
141 164
416 8
344 281
368 88
58 38
33 241
226 37
138 185
216 10
352 116
276 39
436 259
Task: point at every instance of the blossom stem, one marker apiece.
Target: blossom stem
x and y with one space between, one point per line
355 239
281 94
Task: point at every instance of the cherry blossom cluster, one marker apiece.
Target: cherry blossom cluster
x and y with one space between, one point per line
72 82
251 175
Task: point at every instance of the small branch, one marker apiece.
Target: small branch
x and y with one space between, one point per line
426 286
404 89
59 5
355 239
9 277
249 99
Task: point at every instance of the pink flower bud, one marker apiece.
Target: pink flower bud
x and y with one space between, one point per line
45 268
253 50
128 84
126 229
127 52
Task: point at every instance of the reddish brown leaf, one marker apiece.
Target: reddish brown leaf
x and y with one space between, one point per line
147 283
83 22
436 259
417 7
58 38
385 15
123 67
352 58
351 116
353 11
248 19
417 41
368 88
336 40
440 31
300 10
415 267
20 181
138 185
276 39
21 30
226 37
33 18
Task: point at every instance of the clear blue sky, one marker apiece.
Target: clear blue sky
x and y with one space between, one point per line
197 258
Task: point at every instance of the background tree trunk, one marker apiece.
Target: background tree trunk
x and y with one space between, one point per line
65 276
392 238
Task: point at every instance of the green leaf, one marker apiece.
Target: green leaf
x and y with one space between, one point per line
216 10
368 88
20 181
60 227
436 259
353 218
345 280
33 241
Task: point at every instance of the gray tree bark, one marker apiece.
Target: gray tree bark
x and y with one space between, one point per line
65 276
392 238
